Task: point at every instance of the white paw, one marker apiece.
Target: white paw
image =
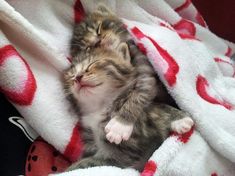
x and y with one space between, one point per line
117 131
183 125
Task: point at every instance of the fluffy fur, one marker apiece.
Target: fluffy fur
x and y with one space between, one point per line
100 28
98 81
103 29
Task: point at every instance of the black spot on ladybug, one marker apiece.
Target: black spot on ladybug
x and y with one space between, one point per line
35 158
29 167
54 168
55 153
33 148
29 157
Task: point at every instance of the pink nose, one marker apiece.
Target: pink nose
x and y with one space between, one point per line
79 77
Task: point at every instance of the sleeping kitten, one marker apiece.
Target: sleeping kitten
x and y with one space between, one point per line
103 29
100 28
94 84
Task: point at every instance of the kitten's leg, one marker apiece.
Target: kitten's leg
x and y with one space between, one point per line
183 125
181 122
92 162
89 147
173 119
130 105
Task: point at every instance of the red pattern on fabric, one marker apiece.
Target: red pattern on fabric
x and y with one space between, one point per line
200 20
142 48
173 67
74 148
183 6
183 137
214 174
79 12
149 169
187 37
228 52
166 26
44 159
186 27
201 86
138 34
221 60
25 96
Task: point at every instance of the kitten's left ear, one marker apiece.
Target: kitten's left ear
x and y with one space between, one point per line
124 51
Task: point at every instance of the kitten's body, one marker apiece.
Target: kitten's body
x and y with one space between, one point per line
103 29
95 84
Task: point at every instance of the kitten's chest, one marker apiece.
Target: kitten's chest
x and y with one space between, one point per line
92 121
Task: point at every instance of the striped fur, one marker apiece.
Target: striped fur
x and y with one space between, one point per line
118 79
101 27
108 32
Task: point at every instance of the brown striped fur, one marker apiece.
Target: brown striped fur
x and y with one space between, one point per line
115 81
101 28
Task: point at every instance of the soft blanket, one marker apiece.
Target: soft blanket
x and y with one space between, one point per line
193 63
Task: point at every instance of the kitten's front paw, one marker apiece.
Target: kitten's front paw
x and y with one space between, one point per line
117 131
183 125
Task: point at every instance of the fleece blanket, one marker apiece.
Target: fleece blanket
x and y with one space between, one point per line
193 63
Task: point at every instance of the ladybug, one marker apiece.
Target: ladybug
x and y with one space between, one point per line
44 159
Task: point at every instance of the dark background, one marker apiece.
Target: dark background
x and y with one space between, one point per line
220 17
14 145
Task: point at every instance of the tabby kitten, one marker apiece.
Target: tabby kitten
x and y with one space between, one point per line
103 29
100 28
98 81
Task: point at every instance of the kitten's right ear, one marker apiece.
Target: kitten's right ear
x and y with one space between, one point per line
103 10
123 50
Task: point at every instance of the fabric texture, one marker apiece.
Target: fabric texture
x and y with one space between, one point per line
193 63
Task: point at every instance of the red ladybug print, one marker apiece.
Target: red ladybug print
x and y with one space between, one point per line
43 159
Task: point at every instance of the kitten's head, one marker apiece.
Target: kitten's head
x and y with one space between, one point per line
101 27
99 74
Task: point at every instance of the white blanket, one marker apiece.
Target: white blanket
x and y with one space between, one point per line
193 63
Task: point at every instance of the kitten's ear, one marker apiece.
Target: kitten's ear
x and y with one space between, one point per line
103 10
123 50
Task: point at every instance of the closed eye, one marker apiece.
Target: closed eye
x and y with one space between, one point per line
90 65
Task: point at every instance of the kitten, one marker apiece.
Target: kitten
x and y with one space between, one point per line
95 83
103 29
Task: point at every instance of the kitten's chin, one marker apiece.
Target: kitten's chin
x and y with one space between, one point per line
82 89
